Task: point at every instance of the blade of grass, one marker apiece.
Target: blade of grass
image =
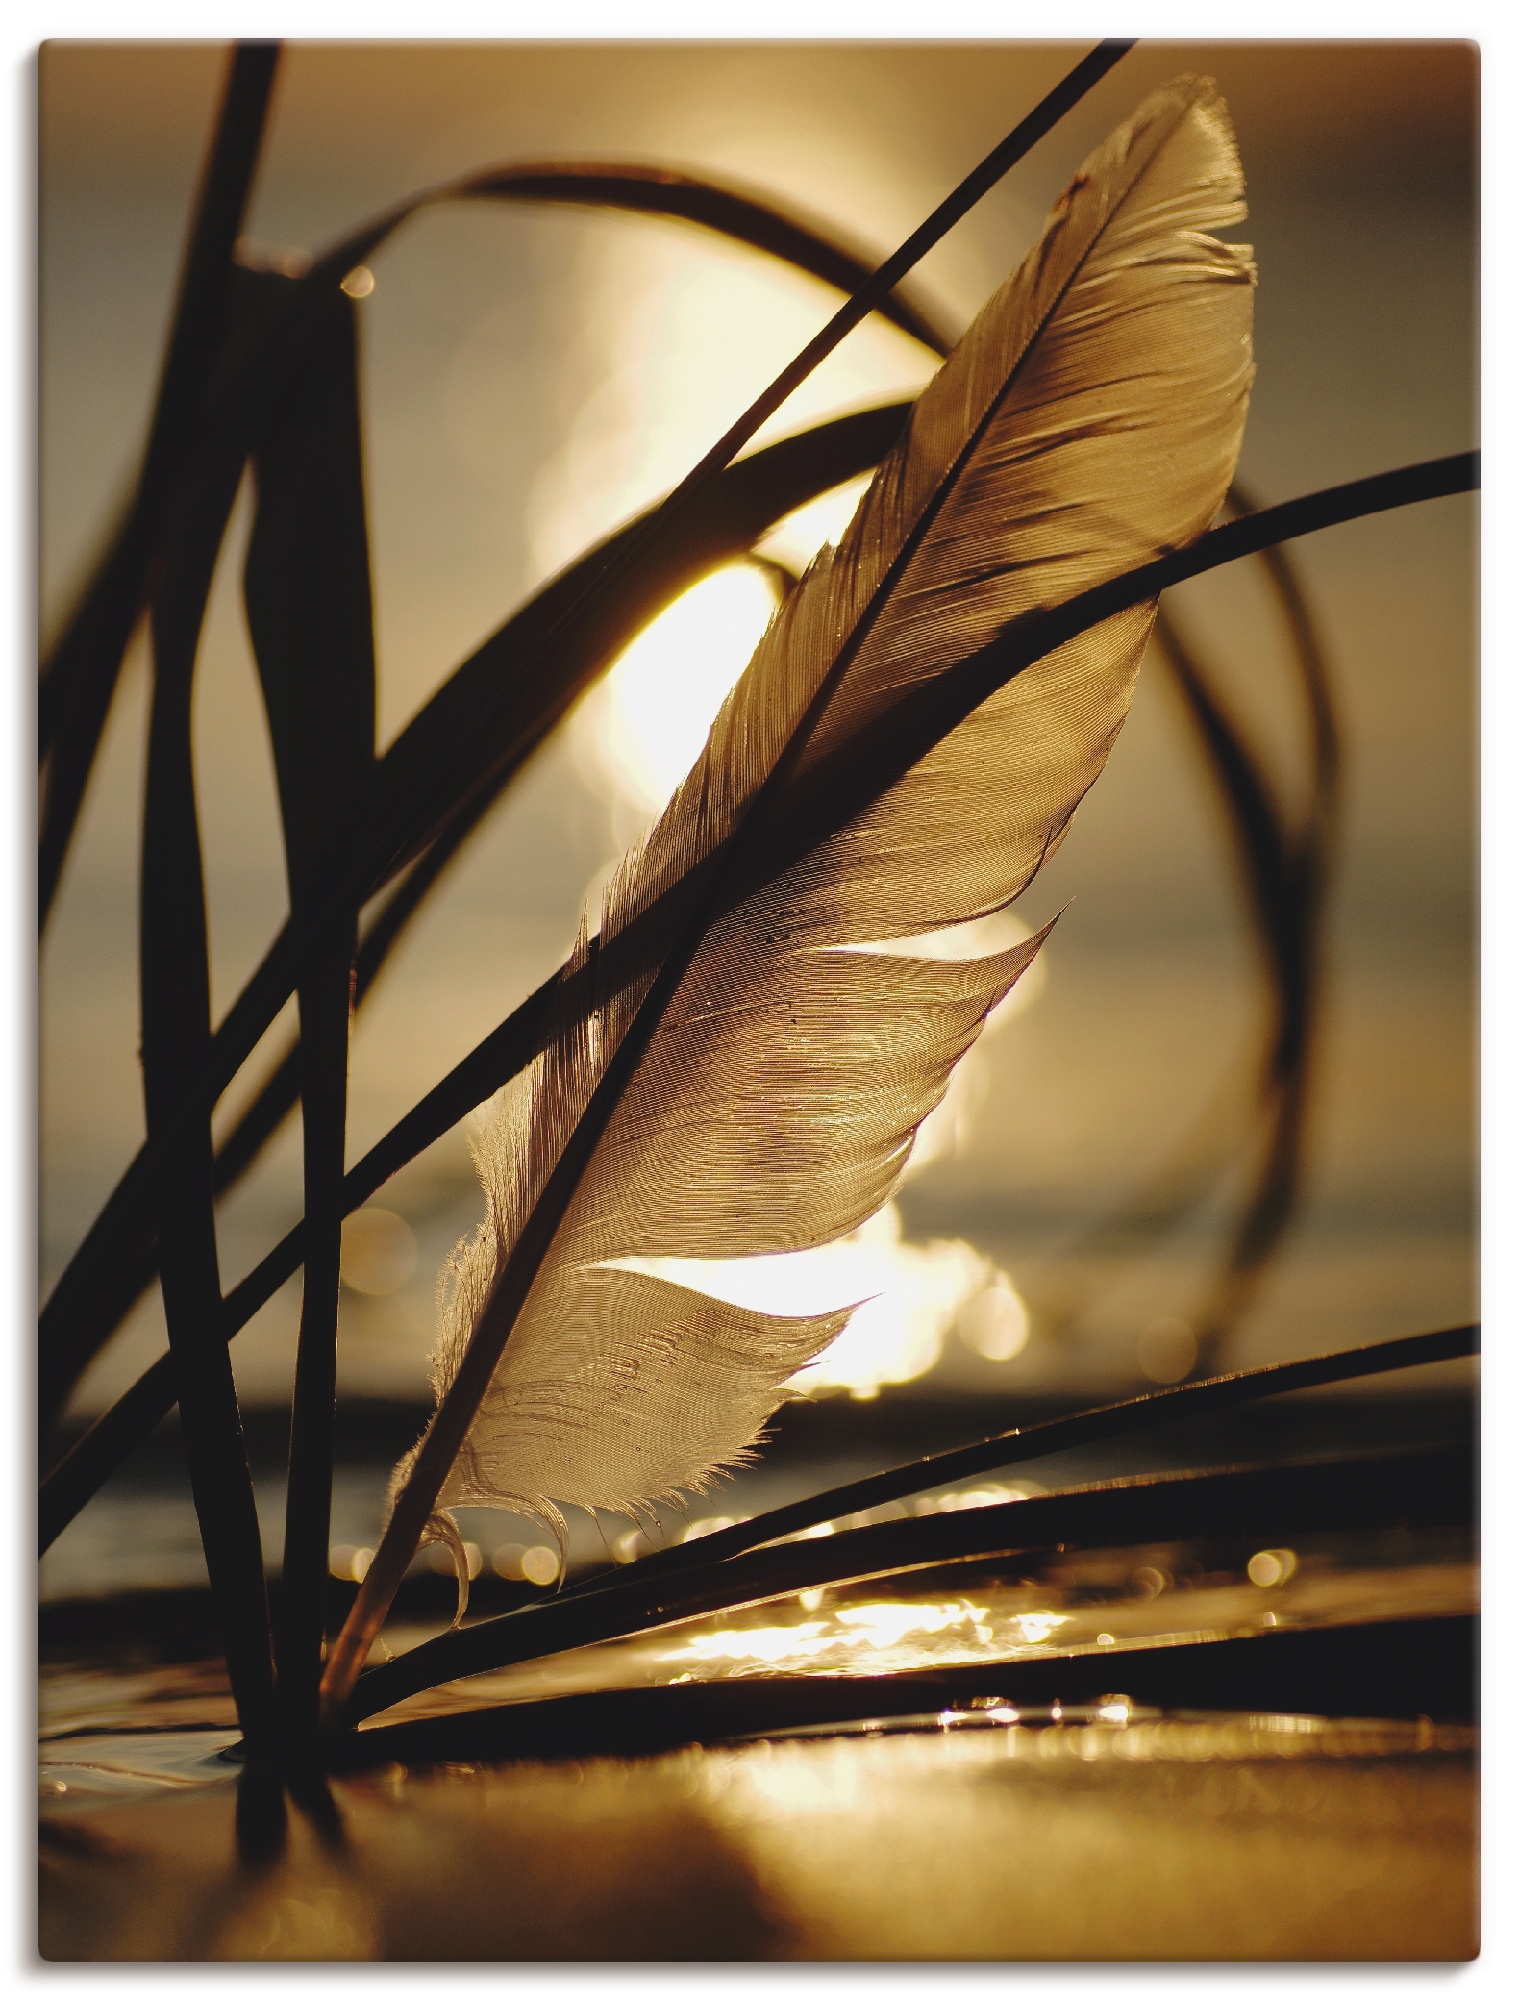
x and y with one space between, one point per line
307 590
842 782
1406 1667
437 773
508 1048
1420 1488
176 1037
1285 909
79 676
808 246
116 1260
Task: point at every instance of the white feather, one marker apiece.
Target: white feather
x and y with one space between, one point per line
1088 421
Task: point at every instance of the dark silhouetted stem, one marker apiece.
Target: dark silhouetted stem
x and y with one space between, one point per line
176 1036
832 800
79 678
703 1575
116 1261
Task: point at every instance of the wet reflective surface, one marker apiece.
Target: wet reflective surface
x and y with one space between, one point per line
1085 1837
982 1829
981 1613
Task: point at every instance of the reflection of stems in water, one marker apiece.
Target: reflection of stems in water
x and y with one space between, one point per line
261 1818
310 1791
1284 870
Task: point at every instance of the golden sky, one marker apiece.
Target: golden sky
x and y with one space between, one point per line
533 376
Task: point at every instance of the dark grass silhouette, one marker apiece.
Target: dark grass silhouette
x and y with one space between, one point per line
260 372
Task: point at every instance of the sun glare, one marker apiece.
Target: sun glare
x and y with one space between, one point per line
909 1297
677 335
797 539
638 733
645 725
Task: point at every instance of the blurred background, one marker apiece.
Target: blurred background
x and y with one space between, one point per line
531 378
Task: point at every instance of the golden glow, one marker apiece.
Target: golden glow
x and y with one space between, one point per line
995 1323
879 1627
379 1252
540 1564
768 1644
1167 1350
1035 1627
888 1624
797 539
696 1530
359 283
440 1559
910 1296
1268 1568
348 1563
994 1493
879 1636
640 731
629 1547
519 1563
674 338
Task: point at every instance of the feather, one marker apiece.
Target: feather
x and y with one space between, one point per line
1088 421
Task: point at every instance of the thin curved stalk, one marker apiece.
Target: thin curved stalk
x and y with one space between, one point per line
831 799
842 783
116 1260
1425 1488
258 368
1284 871
1287 1080
436 764
748 218
176 1036
79 676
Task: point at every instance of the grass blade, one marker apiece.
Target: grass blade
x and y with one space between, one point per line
1413 1667
744 218
1284 862
176 1037
441 780
115 1262
307 590
1288 1080
1424 1488
79 676
832 793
